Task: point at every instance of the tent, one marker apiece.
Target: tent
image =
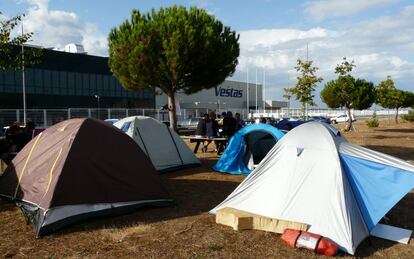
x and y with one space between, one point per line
163 146
78 169
286 124
3 166
248 147
314 176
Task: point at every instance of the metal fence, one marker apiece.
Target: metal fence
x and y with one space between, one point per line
47 117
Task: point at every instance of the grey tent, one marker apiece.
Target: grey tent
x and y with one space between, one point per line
166 150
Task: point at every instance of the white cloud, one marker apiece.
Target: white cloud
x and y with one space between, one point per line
323 9
56 28
380 47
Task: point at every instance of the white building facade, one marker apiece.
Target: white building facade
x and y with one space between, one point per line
230 95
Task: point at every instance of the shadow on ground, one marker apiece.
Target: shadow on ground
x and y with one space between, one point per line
399 216
397 130
405 153
192 197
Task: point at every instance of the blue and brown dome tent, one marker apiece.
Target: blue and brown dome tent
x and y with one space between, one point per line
249 145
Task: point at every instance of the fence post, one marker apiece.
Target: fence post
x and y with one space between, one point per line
44 118
69 114
18 115
158 115
143 112
126 113
109 113
89 113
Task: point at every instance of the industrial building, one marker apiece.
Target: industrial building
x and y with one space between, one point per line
69 80
228 95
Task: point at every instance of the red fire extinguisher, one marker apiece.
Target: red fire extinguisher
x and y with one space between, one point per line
302 239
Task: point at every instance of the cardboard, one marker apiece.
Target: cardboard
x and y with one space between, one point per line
240 220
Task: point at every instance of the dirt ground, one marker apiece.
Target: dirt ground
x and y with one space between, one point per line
187 231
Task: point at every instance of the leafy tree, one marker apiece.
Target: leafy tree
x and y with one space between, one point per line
10 54
306 84
347 92
392 98
364 95
329 95
174 49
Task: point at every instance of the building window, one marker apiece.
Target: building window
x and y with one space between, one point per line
92 86
29 77
47 78
38 75
71 80
63 80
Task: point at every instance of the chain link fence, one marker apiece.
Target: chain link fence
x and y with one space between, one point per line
48 117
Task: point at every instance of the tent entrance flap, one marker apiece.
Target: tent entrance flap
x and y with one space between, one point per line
257 145
247 148
399 235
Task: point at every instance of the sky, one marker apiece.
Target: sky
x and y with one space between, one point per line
377 34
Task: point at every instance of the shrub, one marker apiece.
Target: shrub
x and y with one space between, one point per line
373 122
409 116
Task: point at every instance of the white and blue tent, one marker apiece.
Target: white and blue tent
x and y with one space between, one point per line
314 176
248 147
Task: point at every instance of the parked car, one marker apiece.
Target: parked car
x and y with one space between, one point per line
188 126
320 119
294 118
342 118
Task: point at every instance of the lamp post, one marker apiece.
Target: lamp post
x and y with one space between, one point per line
196 111
99 105
23 85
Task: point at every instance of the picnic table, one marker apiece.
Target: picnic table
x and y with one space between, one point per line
221 141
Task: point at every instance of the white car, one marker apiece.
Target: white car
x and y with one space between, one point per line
342 118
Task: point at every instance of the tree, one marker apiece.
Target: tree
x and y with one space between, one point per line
10 54
174 49
347 92
306 84
392 98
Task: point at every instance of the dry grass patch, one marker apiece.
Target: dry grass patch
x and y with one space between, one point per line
187 230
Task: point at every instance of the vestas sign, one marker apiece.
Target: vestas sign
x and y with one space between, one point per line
228 92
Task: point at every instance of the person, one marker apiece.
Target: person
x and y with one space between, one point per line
223 115
17 138
240 122
269 121
201 126
215 129
263 120
29 129
210 130
229 125
215 125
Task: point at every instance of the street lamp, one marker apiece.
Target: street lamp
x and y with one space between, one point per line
99 100
196 104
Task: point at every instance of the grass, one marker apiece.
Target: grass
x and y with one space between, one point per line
187 231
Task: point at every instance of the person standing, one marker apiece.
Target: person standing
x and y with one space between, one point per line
210 132
201 126
240 122
229 125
